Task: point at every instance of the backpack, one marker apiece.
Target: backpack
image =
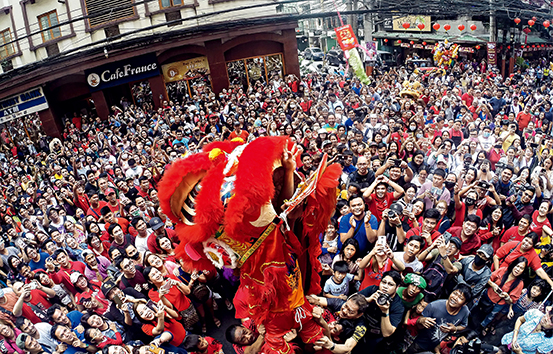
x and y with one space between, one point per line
435 275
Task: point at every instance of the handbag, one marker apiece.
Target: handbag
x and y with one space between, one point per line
200 292
189 317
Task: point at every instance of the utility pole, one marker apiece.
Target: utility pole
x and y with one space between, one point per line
493 23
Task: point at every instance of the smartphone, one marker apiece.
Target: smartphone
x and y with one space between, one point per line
117 300
381 241
447 236
167 286
151 304
33 285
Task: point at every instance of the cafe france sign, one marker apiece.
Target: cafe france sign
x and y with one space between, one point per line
122 72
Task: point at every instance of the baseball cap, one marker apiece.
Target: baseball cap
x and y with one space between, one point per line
155 223
486 249
441 159
415 279
110 191
325 143
467 156
457 242
108 285
74 277
20 340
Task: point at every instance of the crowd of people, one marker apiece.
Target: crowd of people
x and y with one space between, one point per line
441 236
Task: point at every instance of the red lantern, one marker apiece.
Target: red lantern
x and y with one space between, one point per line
534 18
406 25
374 39
421 26
508 47
412 42
546 24
436 26
531 23
399 41
477 47
385 40
447 27
522 46
423 43
517 20
461 28
473 27
533 46
526 30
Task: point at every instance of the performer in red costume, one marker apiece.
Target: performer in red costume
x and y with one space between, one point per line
240 205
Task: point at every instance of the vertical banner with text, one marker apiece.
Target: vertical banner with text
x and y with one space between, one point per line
492 53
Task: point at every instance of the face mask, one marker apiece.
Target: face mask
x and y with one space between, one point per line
379 91
136 256
396 129
486 135
449 184
419 136
479 261
470 201
412 128
292 106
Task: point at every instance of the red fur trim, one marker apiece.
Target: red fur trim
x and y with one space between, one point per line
273 294
187 263
320 206
253 187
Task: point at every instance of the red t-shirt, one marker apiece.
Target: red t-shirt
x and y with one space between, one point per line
512 234
377 206
372 277
95 212
496 277
63 275
537 226
172 326
470 245
533 259
460 214
417 232
179 301
523 119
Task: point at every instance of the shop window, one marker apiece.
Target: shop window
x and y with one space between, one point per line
48 20
173 16
96 9
7 65
256 70
169 3
142 93
6 49
112 31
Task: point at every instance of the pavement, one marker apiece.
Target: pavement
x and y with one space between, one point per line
227 318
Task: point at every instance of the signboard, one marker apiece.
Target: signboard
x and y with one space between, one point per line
429 46
370 54
405 45
492 53
122 72
418 46
387 24
186 69
345 37
28 102
466 50
413 21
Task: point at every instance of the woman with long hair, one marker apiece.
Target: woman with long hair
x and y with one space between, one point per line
505 287
156 321
492 228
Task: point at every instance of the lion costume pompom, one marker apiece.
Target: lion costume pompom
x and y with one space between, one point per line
224 202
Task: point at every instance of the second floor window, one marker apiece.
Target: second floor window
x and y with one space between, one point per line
169 3
47 21
6 49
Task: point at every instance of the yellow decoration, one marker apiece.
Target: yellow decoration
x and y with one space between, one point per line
214 153
240 140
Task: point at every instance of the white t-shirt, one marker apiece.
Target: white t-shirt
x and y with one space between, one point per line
416 265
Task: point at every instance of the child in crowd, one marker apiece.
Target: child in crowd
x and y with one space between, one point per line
337 286
194 343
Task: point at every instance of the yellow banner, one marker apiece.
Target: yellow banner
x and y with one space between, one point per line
413 21
186 69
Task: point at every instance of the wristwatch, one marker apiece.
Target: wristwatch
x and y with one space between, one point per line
386 314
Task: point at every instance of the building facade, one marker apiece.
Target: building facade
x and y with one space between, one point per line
64 56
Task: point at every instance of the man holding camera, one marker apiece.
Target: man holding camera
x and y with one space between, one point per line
381 199
385 309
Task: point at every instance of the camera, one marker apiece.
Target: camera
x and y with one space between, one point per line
391 214
483 185
383 299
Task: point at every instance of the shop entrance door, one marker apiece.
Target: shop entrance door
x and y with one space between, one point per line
116 96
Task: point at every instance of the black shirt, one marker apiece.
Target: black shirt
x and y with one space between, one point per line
373 316
363 180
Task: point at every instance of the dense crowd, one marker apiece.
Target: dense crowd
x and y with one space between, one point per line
441 235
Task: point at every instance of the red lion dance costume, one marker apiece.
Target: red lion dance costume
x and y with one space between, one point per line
223 201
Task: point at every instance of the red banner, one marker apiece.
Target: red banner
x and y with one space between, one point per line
345 37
